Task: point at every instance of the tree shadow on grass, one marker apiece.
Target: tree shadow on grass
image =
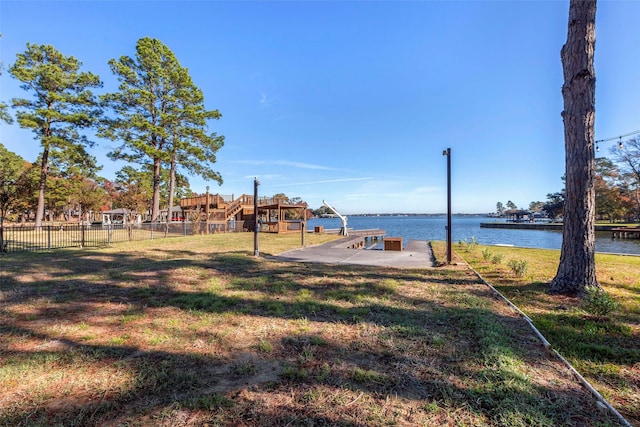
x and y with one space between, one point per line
400 344
308 366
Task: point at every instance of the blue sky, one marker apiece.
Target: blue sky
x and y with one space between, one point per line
354 101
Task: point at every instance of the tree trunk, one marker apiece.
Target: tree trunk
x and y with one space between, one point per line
44 166
172 186
577 270
155 208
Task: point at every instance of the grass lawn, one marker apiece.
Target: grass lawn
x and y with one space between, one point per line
604 349
197 331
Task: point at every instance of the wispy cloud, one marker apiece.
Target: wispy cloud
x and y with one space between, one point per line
268 99
268 176
264 100
326 181
277 119
392 190
299 165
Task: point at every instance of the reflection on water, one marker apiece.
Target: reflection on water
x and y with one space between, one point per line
466 227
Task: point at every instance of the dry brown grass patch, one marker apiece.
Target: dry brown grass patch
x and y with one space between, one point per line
193 335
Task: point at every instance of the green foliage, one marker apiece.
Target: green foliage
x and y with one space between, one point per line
486 254
323 373
322 210
14 181
159 117
265 346
519 267
134 189
293 373
598 302
497 258
4 113
468 245
368 376
554 204
245 369
62 104
208 402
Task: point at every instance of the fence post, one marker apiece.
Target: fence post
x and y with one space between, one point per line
2 247
82 235
108 234
184 227
48 237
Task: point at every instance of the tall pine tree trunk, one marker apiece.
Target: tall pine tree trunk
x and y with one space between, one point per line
172 186
577 262
42 187
155 204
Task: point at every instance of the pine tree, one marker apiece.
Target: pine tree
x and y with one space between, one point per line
159 116
62 104
192 147
4 113
576 270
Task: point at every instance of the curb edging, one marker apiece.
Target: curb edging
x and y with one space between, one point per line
599 398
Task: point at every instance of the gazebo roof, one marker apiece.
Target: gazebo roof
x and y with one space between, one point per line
516 212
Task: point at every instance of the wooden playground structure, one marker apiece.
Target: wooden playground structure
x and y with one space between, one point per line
227 213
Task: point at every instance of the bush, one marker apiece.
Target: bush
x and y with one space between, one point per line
598 302
486 254
497 258
469 246
519 267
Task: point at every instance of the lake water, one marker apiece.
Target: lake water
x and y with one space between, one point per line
466 227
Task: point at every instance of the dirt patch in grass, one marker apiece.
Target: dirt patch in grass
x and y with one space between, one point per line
187 333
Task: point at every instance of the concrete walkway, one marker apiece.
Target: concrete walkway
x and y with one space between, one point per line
417 254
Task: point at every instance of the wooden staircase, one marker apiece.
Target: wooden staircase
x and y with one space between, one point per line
232 209
237 205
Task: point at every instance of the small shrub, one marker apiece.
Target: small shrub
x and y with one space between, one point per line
598 302
486 254
473 244
497 258
469 246
519 267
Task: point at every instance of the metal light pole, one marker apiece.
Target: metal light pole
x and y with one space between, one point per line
256 225
447 153
206 211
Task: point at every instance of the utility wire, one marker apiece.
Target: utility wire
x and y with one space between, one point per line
619 137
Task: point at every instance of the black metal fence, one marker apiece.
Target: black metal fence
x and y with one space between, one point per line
47 237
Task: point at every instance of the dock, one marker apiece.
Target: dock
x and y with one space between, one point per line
523 225
617 232
625 233
351 250
359 239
